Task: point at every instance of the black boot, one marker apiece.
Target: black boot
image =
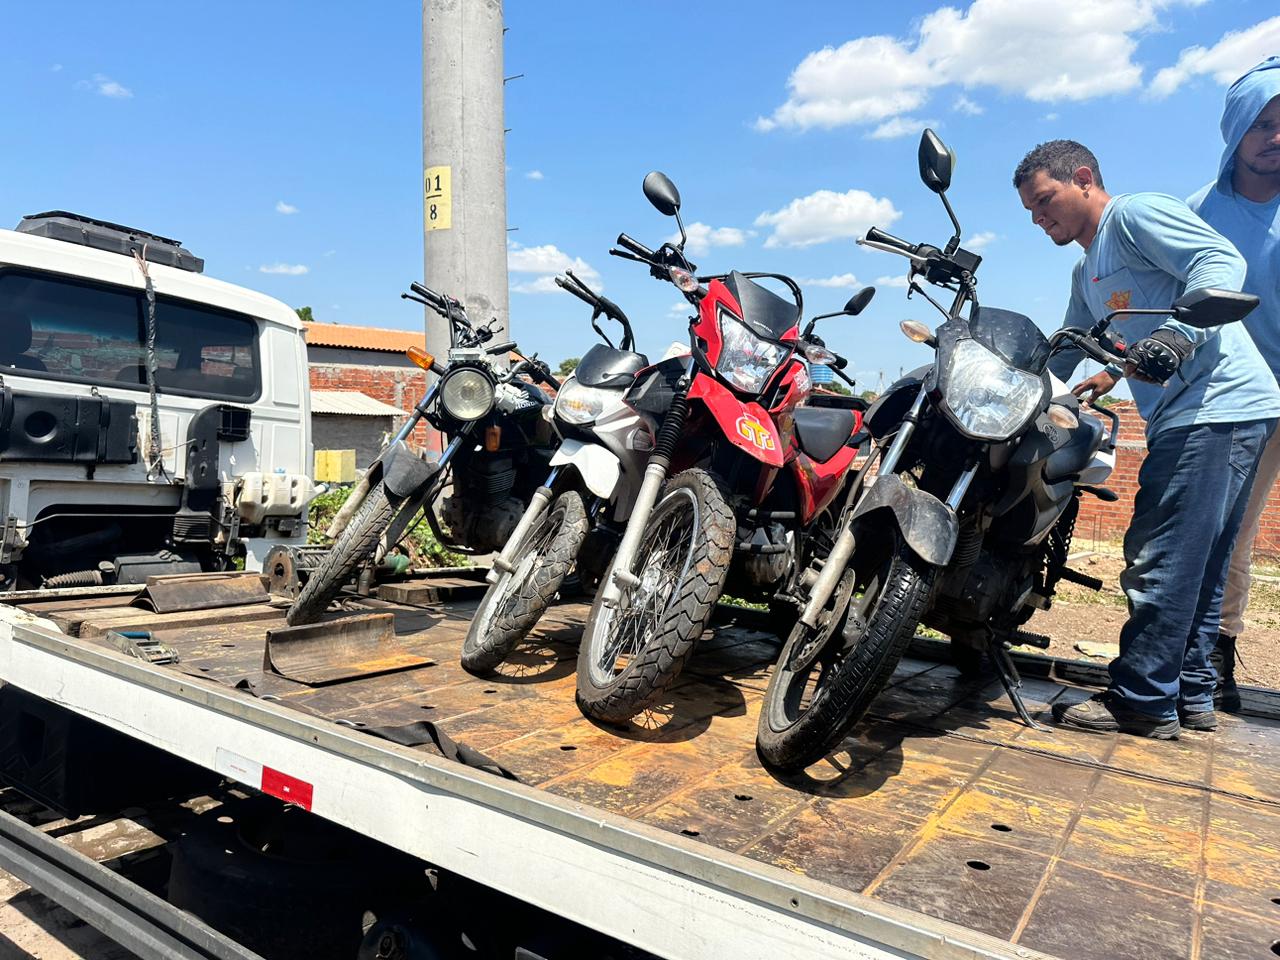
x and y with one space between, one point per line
1226 696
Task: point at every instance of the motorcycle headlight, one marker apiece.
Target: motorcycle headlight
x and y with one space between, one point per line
467 394
987 397
746 361
579 405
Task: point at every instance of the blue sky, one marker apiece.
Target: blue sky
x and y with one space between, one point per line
282 141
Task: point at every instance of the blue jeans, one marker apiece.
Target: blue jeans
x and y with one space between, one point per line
1192 492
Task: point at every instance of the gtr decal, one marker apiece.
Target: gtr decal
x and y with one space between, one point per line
755 433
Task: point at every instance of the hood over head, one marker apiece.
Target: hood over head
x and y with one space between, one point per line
1245 100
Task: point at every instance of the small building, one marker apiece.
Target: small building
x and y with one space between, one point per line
351 420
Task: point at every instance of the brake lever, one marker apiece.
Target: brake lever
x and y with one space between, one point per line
615 252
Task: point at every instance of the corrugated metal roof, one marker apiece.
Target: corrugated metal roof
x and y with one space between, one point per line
351 403
362 338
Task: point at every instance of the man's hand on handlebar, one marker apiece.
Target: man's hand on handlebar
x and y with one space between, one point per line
1097 386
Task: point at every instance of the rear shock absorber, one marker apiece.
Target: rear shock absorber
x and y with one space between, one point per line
655 472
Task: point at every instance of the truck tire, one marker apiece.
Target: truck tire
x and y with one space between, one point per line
791 734
689 539
354 545
518 600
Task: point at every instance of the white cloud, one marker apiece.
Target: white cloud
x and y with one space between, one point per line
285 208
543 263
534 175
106 87
1226 60
681 309
826 215
1049 117
839 281
966 106
703 237
900 127
1040 49
288 269
330 253
56 68
980 241
893 280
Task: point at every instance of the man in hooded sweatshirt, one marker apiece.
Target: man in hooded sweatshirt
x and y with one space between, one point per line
1210 403
1243 204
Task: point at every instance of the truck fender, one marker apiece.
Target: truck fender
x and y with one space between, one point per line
928 525
404 473
598 467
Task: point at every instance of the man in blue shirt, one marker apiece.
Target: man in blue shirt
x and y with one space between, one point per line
1243 204
1210 404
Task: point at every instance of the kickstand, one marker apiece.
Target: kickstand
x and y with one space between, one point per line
1009 677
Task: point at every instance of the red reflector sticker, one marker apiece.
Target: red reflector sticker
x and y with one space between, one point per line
286 788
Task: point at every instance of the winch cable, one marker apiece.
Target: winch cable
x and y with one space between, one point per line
155 453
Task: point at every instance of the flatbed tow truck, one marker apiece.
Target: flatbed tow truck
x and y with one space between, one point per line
944 828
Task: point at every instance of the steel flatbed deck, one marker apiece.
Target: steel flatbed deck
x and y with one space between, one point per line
945 828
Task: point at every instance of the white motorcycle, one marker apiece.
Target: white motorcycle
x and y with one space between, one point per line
577 516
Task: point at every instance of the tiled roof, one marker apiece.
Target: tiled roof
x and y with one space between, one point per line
351 403
362 338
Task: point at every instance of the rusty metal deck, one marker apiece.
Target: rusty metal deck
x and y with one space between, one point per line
1075 844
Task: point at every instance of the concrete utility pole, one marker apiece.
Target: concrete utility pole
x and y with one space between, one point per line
464 161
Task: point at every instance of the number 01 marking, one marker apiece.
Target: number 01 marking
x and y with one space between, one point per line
437 195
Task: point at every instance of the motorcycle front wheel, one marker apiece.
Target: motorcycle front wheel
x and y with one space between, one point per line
518 600
632 651
825 680
353 547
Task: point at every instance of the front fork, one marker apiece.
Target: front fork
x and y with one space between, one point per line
842 551
503 562
655 472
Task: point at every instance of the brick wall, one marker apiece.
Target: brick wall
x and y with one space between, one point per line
400 387
1110 520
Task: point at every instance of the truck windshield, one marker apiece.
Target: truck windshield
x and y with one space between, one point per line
68 329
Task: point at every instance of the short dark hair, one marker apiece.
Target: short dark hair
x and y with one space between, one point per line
1060 159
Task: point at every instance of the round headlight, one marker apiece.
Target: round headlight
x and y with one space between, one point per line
467 394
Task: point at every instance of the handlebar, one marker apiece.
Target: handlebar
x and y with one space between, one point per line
876 235
498 348
636 247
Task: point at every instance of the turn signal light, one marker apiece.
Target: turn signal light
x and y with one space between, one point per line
493 438
1063 417
421 357
917 331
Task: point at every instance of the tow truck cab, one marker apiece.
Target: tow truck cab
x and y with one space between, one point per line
90 492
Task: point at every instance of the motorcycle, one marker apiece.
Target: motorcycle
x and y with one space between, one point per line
983 457
742 479
576 516
498 441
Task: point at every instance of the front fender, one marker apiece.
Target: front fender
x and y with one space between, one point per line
405 473
598 467
928 525
748 426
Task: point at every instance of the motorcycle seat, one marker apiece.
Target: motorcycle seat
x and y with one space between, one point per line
822 431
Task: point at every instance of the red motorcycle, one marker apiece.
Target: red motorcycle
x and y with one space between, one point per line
743 484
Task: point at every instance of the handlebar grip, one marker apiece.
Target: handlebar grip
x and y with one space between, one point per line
505 347
841 362
425 292
876 235
550 381
571 287
635 246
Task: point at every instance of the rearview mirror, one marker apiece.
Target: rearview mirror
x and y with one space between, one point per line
936 161
1210 307
662 193
858 302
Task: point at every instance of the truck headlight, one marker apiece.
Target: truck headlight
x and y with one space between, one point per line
986 397
466 393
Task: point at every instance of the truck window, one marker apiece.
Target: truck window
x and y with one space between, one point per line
74 330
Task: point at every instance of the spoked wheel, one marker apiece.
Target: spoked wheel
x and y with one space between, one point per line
825 679
631 652
518 600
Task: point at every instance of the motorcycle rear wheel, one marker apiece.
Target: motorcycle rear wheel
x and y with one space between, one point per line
813 701
513 605
633 651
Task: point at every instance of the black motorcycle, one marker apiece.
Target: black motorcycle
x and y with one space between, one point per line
968 522
499 445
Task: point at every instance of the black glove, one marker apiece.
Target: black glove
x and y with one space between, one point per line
1159 356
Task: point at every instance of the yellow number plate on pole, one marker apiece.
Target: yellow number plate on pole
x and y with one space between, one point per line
438 198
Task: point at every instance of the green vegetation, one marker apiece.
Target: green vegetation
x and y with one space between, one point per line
420 543
304 314
567 366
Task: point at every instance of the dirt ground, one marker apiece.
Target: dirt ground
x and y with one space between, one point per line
1079 615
